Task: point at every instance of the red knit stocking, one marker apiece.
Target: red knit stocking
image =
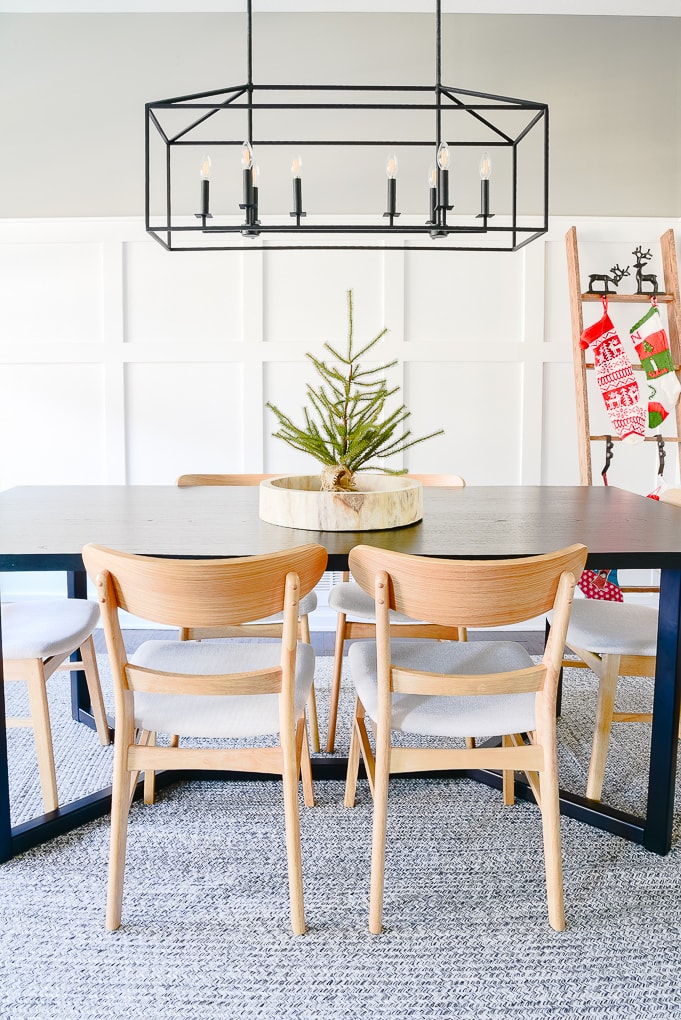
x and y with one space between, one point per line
615 378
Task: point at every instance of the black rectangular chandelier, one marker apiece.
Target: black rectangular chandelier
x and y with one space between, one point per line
224 169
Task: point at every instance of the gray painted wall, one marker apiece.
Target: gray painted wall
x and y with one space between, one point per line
73 90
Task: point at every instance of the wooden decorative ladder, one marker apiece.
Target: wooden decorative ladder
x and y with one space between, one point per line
670 297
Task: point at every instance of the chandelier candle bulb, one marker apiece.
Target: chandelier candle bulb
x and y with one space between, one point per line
247 164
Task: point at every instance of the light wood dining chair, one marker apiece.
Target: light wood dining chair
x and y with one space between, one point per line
204 690
613 639
356 617
270 628
456 689
37 639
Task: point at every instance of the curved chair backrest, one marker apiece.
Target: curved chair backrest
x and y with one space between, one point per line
444 481
188 481
467 593
205 593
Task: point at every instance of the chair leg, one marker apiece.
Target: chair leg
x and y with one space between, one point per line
380 824
353 762
292 820
314 720
336 682
89 658
367 753
42 732
305 763
508 776
304 630
142 737
150 776
607 687
120 807
550 814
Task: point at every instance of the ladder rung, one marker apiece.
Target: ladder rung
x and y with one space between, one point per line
647 439
636 367
665 299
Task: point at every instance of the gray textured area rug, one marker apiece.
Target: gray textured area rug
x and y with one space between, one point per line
205 923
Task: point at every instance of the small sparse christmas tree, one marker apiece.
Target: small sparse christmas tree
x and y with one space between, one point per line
347 427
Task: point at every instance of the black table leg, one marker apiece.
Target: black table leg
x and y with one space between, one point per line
5 825
666 700
81 708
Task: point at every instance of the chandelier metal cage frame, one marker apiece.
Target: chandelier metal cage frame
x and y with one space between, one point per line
243 230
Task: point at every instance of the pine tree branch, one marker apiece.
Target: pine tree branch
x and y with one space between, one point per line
346 423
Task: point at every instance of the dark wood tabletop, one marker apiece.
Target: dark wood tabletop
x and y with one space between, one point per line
45 527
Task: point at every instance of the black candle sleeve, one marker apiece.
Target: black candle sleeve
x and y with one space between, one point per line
444 188
248 186
484 197
392 196
297 196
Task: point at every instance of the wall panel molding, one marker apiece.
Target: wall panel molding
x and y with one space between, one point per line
148 364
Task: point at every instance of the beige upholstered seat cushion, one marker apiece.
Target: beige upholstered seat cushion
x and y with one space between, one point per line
347 597
430 715
36 630
217 716
617 628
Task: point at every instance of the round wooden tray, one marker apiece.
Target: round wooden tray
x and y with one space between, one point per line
378 502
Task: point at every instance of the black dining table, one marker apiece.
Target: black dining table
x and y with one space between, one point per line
43 528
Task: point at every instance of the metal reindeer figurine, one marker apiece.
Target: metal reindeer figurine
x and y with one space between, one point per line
617 275
641 258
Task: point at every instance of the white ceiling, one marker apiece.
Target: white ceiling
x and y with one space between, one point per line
632 8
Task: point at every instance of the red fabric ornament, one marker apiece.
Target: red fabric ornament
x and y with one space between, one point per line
595 585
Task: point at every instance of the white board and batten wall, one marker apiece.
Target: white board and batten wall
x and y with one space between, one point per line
121 363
